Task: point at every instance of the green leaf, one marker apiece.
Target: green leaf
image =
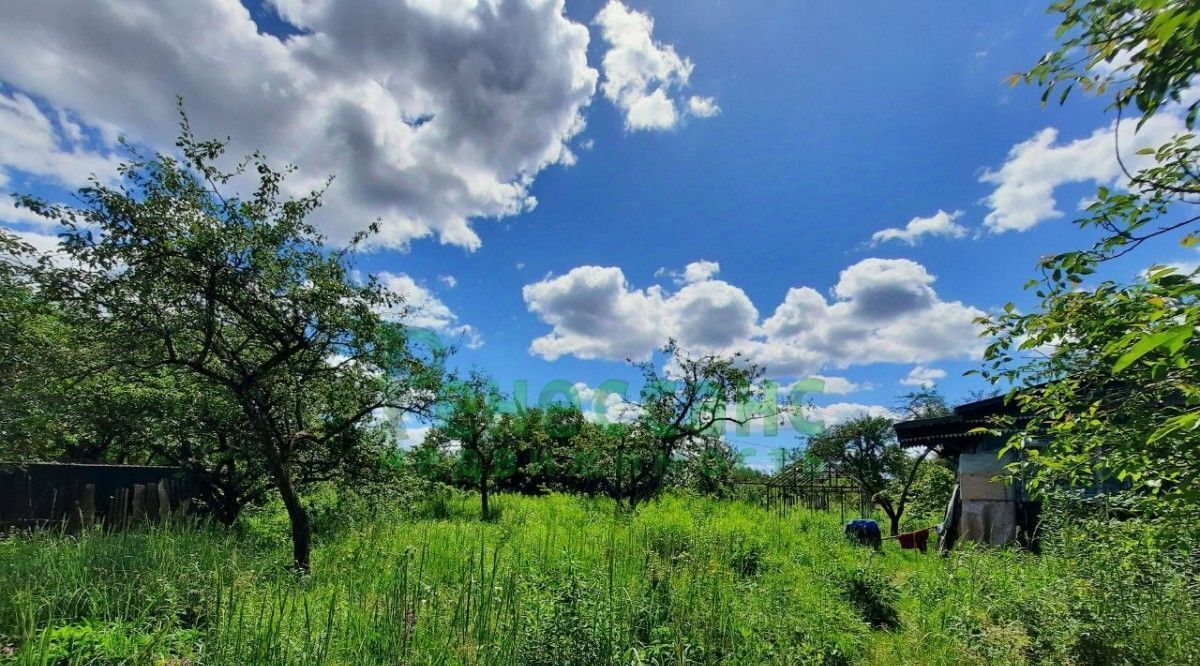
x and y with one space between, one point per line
1172 338
1189 420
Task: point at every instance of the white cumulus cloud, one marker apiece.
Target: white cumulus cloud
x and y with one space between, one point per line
430 114
644 77
420 308
10 214
923 377
841 385
699 271
595 314
840 412
940 223
610 405
881 310
40 242
703 107
46 145
1025 184
696 271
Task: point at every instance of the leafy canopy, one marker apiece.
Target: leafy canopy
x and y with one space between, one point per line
172 274
1106 374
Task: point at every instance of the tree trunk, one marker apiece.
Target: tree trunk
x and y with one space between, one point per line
297 514
301 529
903 501
893 514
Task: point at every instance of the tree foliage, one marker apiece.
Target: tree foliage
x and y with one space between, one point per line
670 438
1113 398
1105 374
470 418
169 274
1141 53
865 449
710 466
681 410
924 403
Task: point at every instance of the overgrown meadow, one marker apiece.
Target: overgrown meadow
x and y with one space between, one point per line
566 580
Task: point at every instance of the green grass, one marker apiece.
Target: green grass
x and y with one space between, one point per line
563 580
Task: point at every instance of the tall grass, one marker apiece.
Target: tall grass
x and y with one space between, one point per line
563 580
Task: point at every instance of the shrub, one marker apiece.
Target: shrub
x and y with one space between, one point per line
871 594
747 556
930 493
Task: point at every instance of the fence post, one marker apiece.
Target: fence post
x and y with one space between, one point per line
116 509
53 505
125 502
110 510
151 501
87 504
139 501
164 501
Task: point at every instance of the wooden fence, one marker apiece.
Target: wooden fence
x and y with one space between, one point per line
69 494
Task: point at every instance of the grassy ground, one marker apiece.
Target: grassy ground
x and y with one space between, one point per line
561 580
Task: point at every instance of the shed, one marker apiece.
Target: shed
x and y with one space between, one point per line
983 507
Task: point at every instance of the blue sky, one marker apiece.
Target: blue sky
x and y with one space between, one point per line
794 132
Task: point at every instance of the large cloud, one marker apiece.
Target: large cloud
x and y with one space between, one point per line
711 315
1025 183
881 310
595 314
644 77
429 113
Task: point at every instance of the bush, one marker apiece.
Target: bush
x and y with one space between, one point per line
1102 592
929 494
871 594
748 556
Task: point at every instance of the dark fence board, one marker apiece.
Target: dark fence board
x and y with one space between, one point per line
46 493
